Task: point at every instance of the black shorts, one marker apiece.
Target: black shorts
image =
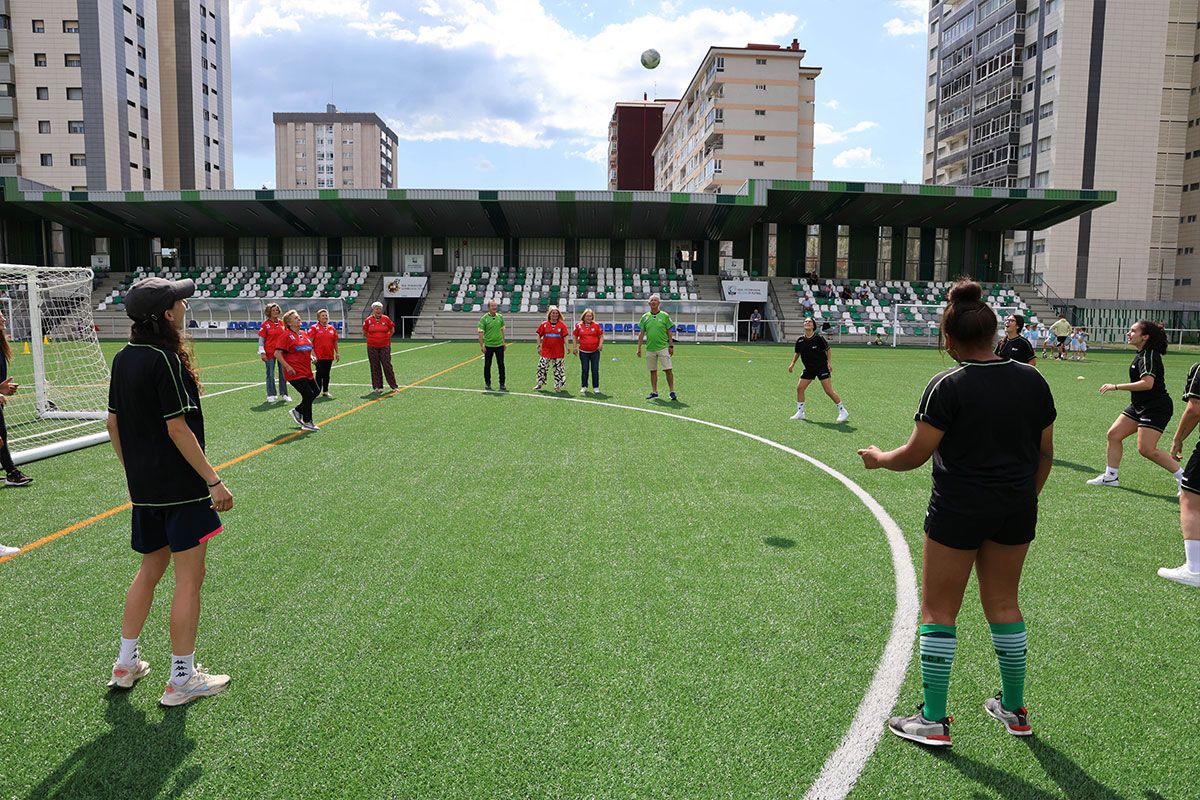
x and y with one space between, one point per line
1063 339
1191 473
1152 415
964 531
179 527
815 374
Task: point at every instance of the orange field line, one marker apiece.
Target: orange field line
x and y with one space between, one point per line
256 451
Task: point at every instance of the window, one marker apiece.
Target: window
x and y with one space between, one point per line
131 104
146 173
203 37
1001 61
996 33
203 11
145 113
987 8
142 81
47 160
70 26
129 41
301 168
39 26
208 166
1026 151
347 168
78 160
1044 145
1031 52
932 53
1050 6
1050 40
1042 181
141 51
762 87
758 163
146 143
301 155
72 60
760 112
348 183
39 59
1027 118
75 126
133 135
203 62
932 79
44 126
43 93
760 61
141 21
1048 76
957 30
74 93
1047 110
347 141
128 10
759 137
132 165
207 141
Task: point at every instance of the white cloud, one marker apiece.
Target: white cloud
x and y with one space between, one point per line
597 153
483 165
855 158
834 104
915 11
824 133
917 7
259 17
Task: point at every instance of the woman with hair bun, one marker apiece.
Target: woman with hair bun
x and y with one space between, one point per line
991 457
1150 407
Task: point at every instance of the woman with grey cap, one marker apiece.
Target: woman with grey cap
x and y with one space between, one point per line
157 431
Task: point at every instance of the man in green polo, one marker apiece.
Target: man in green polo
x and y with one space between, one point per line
492 344
658 332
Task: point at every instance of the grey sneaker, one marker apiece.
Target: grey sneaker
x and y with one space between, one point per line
296 416
923 731
1015 722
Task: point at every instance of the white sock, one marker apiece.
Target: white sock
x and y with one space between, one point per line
129 651
181 668
1191 548
1178 474
841 407
799 406
1110 472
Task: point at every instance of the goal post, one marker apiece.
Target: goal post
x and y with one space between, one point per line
920 319
57 362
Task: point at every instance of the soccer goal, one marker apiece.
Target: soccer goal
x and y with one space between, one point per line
62 401
925 321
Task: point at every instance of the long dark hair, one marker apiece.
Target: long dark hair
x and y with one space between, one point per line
1158 336
5 347
967 318
162 334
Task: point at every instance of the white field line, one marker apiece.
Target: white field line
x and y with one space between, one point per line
846 763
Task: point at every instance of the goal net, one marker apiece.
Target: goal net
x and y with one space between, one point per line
56 360
921 322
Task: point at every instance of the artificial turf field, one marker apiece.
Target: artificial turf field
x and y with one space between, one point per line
457 594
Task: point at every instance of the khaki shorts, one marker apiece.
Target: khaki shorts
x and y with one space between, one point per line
658 359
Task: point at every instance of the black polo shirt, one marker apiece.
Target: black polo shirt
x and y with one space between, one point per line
992 414
813 351
150 386
1148 362
1017 349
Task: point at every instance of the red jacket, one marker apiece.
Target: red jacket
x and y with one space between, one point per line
378 331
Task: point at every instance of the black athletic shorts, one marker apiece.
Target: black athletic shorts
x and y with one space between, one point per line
1063 339
814 375
1151 415
969 531
1191 473
178 527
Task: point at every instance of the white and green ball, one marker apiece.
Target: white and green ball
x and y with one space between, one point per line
651 59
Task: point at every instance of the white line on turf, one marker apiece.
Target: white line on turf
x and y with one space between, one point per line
846 763
239 385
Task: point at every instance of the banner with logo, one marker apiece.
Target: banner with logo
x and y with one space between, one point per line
405 285
414 263
745 291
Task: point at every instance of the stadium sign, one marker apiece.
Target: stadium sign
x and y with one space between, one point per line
405 285
745 291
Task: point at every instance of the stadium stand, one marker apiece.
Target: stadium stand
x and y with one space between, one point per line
521 290
255 282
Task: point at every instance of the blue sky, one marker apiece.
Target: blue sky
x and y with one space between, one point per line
513 94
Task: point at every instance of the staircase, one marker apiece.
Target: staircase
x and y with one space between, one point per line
1037 304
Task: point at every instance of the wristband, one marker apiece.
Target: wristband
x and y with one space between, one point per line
214 485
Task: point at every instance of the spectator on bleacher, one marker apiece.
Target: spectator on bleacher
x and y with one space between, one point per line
845 293
377 327
658 332
12 475
268 332
589 341
806 303
492 344
1013 345
864 294
813 277
755 324
325 348
294 350
678 259
1062 329
552 349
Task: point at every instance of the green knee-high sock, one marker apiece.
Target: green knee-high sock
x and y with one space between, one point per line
938 643
1011 649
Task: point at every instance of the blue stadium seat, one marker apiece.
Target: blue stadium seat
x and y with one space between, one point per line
628 327
608 328
689 328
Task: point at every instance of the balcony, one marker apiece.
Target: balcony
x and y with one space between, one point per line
8 141
6 73
8 108
5 40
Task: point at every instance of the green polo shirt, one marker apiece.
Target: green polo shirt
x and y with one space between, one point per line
656 327
493 330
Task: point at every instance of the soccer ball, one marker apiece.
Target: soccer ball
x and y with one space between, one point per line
651 59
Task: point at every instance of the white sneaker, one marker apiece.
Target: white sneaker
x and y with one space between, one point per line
124 676
201 684
798 415
1181 575
1103 480
5 550
309 426
583 390
286 398
270 398
843 415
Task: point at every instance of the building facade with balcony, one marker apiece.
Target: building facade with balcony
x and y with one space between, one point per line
747 113
633 130
334 150
1037 94
95 97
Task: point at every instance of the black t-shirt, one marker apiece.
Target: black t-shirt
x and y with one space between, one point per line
992 414
150 386
1191 390
813 351
1017 349
1148 362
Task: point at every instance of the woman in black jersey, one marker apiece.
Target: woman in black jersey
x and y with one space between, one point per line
813 350
1150 407
1014 346
991 458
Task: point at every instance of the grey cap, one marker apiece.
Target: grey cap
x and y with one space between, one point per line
149 297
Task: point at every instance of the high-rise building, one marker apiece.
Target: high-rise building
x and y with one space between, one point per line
333 150
747 113
93 97
632 133
1044 93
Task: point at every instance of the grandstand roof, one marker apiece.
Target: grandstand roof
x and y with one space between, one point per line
585 214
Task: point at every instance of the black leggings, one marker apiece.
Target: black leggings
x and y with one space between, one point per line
323 367
308 390
5 456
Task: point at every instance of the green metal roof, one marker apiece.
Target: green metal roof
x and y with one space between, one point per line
538 213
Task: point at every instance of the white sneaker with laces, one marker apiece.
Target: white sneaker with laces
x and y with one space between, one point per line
797 415
1181 574
1104 480
286 398
309 426
201 684
583 390
5 550
124 676
270 398
843 415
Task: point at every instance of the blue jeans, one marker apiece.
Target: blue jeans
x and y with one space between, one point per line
271 366
591 360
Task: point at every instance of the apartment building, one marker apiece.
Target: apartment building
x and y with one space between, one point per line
747 113
1041 94
334 150
91 94
633 131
